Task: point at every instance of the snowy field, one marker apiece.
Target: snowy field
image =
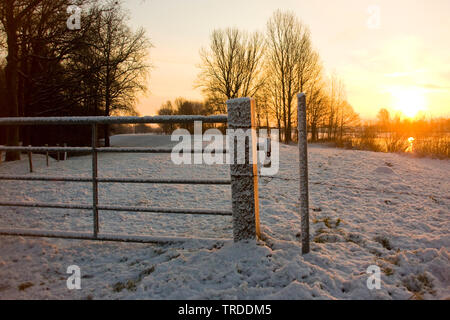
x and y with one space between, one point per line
367 209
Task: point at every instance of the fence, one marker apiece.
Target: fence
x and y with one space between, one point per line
244 180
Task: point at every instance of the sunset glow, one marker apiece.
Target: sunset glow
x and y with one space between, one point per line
368 54
409 101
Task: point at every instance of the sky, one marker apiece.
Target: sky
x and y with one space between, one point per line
390 54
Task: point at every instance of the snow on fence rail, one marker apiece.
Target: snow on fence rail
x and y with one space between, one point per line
244 177
112 120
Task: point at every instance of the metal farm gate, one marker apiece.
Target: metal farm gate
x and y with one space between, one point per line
243 180
245 217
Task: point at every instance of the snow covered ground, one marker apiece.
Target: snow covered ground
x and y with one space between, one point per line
367 209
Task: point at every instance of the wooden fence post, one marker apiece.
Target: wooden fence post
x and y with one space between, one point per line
244 173
303 165
30 160
65 152
46 155
20 153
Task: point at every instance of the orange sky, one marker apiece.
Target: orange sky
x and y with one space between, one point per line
401 63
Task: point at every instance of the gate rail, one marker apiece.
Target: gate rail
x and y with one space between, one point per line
242 216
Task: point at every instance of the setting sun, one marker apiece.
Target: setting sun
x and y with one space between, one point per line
409 101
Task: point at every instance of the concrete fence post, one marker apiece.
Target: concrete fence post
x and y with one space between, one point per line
303 164
242 146
95 179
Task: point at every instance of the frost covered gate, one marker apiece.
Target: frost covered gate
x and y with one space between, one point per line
244 177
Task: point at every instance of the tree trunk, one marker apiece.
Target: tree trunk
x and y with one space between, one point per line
11 75
313 132
107 111
288 134
279 128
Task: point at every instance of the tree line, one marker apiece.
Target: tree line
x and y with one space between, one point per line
49 70
274 67
183 106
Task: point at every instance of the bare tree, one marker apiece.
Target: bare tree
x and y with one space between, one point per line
12 13
262 98
52 70
231 65
46 85
167 109
290 64
384 119
335 100
317 102
272 99
43 43
311 82
348 118
121 58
